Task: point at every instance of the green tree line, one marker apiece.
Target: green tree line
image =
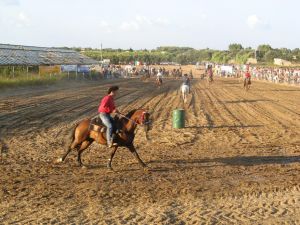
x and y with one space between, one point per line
185 55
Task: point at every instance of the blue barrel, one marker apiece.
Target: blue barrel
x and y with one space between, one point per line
178 118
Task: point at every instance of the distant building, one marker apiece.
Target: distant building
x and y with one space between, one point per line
282 62
47 60
19 55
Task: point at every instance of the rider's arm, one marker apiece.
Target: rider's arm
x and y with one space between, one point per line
116 111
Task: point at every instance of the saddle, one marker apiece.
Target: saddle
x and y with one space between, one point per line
97 125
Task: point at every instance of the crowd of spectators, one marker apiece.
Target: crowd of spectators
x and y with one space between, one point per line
271 74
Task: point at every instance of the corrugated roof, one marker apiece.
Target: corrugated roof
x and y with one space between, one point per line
28 55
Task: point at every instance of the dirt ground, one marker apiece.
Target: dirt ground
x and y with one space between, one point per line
236 162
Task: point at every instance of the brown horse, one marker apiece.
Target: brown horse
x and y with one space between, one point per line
83 136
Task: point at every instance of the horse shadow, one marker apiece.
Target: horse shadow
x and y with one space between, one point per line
187 164
184 164
285 90
211 126
247 101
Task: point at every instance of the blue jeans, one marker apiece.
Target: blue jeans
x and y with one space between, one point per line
108 122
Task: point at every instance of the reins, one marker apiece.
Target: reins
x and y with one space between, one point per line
143 124
133 121
128 118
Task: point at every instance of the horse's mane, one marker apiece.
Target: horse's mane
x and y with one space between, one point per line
128 115
131 113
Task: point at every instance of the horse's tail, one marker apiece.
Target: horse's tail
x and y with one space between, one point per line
69 139
71 136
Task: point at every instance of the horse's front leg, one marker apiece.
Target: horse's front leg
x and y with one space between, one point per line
113 152
136 155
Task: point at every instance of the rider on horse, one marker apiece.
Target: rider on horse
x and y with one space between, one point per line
159 77
187 81
191 74
106 107
247 77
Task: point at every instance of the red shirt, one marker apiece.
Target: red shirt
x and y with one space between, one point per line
107 105
247 75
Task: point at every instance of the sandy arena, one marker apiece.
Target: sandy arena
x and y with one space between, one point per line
236 162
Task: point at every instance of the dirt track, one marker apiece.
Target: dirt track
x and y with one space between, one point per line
238 160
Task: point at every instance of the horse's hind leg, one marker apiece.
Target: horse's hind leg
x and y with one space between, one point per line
111 157
136 155
73 145
83 146
66 154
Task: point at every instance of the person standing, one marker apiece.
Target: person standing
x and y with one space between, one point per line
247 79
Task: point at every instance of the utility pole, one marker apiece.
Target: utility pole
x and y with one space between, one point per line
101 53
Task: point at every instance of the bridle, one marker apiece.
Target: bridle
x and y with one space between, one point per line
142 119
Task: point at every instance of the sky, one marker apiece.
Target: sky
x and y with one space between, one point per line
141 24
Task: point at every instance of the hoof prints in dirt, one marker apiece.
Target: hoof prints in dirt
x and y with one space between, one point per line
222 168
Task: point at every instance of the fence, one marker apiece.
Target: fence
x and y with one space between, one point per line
36 72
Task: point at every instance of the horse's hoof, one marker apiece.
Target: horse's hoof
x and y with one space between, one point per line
59 160
110 168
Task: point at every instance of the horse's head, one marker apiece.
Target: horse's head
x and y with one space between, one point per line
143 118
140 117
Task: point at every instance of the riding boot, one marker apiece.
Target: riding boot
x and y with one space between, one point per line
113 140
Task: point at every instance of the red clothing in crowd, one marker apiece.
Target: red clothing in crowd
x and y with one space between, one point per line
107 105
247 75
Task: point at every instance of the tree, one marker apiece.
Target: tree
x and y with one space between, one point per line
204 55
270 55
296 54
235 47
261 51
264 48
115 59
182 58
77 49
296 51
243 55
285 53
185 55
220 57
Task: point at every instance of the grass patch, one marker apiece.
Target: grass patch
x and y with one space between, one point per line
21 81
